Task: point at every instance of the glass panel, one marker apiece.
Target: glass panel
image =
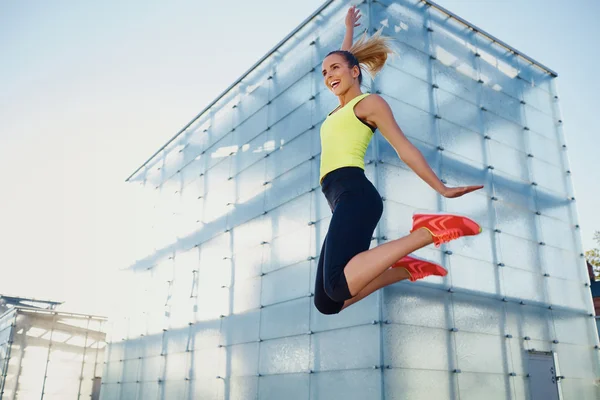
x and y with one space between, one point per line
289 155
240 328
478 314
363 312
497 74
473 275
541 123
177 366
286 284
289 185
250 128
523 285
414 192
242 359
568 294
289 249
285 355
351 348
245 295
458 171
579 389
515 221
292 125
410 60
514 191
415 347
540 99
290 99
523 254
506 159
408 384
409 304
502 105
254 98
574 329
461 141
286 319
549 176
458 111
358 384
563 264
405 87
414 122
286 386
478 247
557 233
505 131
250 153
484 386
207 388
408 24
290 67
481 353
577 361
548 203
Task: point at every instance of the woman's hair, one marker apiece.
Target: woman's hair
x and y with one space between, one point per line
369 53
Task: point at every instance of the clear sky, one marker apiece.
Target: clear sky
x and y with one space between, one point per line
89 90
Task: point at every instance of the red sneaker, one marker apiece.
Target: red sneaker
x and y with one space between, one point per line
445 227
418 268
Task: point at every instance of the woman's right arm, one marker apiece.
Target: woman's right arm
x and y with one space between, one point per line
352 18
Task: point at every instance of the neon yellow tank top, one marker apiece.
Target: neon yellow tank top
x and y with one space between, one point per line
344 139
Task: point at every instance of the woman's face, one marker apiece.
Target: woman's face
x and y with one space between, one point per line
338 77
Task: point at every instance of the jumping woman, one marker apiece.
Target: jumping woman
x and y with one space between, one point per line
348 270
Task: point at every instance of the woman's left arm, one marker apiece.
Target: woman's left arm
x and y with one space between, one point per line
381 114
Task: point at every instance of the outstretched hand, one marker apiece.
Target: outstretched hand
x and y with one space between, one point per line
459 191
352 17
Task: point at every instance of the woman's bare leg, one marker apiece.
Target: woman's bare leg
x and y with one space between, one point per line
368 265
388 277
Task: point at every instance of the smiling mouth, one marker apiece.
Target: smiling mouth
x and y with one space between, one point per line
335 84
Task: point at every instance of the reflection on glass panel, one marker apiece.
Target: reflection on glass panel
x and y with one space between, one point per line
352 348
287 386
538 98
414 122
405 88
405 24
541 123
476 352
508 160
250 128
356 384
286 355
415 347
289 155
408 304
289 185
549 176
516 221
520 253
286 319
557 233
475 386
243 359
568 294
239 328
477 314
409 384
286 284
289 100
473 275
497 74
462 141
290 67
411 61
505 131
292 125
573 329
414 191
545 149
502 105
563 264
457 110
514 191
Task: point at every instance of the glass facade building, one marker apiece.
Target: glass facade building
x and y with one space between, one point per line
50 355
222 304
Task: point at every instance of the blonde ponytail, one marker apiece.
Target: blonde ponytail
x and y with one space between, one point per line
372 53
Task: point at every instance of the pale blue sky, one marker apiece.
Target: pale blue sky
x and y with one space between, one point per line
89 90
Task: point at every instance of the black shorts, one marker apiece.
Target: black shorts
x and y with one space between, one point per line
357 207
